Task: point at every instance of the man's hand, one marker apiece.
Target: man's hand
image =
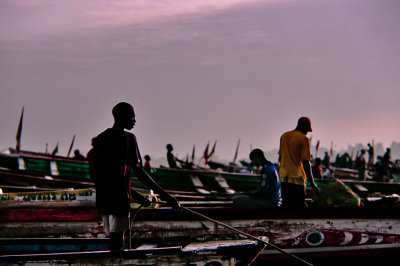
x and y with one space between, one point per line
145 202
142 200
150 183
174 204
315 189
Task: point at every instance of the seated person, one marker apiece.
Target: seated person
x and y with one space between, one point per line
78 156
170 157
317 169
269 193
147 160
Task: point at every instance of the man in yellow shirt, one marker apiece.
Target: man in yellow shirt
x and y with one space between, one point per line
295 167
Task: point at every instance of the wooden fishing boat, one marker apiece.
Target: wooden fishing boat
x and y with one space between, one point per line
43 172
239 252
85 198
312 233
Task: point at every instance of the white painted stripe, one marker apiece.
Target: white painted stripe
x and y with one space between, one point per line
223 184
54 169
198 184
21 164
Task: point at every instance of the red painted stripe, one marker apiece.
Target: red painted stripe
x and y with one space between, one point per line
34 215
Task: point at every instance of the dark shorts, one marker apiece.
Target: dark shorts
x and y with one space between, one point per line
293 196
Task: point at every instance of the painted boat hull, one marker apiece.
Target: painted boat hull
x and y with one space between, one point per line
221 252
310 230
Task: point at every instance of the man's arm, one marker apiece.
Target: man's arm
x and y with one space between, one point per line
144 177
310 177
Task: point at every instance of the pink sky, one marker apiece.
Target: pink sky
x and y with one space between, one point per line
199 71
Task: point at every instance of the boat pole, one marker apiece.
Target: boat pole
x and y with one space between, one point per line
248 235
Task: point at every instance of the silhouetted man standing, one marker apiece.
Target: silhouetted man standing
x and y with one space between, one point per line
295 167
361 165
115 152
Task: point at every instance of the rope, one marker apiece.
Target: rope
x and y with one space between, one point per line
248 235
258 254
131 225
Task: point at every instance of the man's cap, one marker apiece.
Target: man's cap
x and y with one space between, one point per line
304 122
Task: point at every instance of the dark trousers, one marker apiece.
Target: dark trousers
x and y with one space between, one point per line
116 240
293 196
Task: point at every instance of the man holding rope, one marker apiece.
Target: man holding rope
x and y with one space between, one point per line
115 152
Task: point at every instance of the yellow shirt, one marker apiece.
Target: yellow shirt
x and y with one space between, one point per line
294 149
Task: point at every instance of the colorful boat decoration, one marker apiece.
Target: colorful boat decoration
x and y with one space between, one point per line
56 198
82 198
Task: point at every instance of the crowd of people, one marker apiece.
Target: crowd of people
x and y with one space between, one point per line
383 169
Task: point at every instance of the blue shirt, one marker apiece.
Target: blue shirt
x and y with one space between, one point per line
271 184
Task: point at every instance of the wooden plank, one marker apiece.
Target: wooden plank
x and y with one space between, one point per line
47 229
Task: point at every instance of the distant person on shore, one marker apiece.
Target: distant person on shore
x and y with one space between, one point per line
295 167
361 165
379 169
337 160
114 153
269 193
326 161
78 156
387 164
370 155
387 157
147 160
345 160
